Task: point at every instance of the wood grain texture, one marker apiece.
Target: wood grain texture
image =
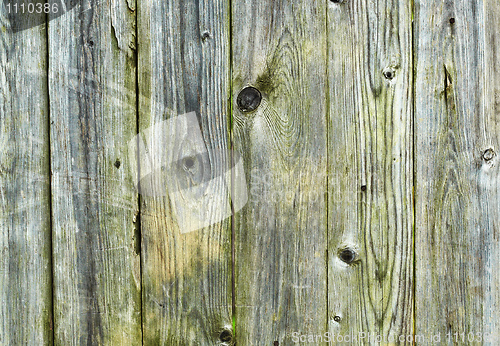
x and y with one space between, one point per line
489 175
370 169
97 297
184 68
25 255
279 48
457 174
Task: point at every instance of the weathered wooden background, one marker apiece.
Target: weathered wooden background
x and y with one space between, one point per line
371 166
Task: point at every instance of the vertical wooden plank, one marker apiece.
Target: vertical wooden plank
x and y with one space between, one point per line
489 174
370 164
457 190
94 202
25 255
279 48
184 68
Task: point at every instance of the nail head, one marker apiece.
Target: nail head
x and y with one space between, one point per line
337 319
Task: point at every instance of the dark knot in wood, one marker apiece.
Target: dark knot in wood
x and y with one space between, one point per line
488 154
389 74
347 255
205 36
188 163
249 99
226 335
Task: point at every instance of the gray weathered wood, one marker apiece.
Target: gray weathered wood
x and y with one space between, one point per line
97 297
489 176
371 169
280 235
457 170
370 166
184 67
25 255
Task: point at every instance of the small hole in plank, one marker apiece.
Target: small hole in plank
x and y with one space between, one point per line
249 99
117 163
226 336
488 154
337 319
188 163
347 255
205 36
389 74
363 187
452 20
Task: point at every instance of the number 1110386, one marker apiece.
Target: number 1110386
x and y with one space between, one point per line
32 8
470 337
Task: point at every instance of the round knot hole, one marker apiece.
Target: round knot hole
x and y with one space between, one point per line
117 163
347 255
337 319
188 163
488 154
205 36
226 335
452 20
249 99
389 74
